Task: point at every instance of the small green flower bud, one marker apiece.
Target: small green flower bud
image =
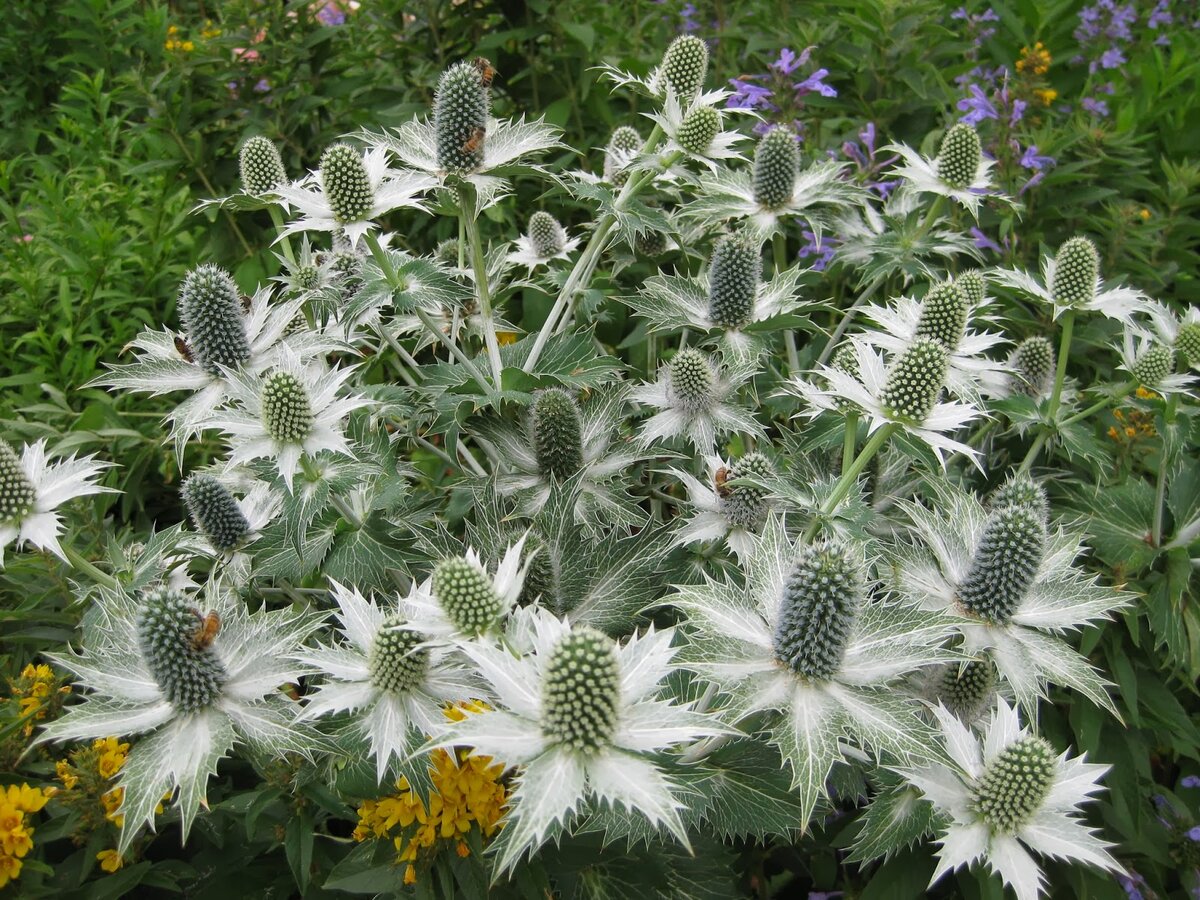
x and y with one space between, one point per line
447 252
959 156
972 286
733 276
651 244
699 127
557 433
287 412
692 379
171 639
915 381
17 494
1076 273
845 359
345 183
467 594
943 315
460 116
1005 563
1015 784
745 505
215 511
1033 366
546 235
211 309
581 691
306 276
261 166
541 577
967 689
820 599
622 146
1187 342
1155 364
1022 492
397 662
684 66
775 163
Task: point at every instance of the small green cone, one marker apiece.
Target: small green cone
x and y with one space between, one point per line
1005 563
211 308
17 494
684 66
1187 343
745 505
624 143
915 382
692 378
1076 273
345 183
733 276
214 511
972 285
1033 366
287 412
820 600
581 691
546 235
187 670
1015 784
260 166
467 594
944 314
397 662
959 156
557 433
1156 363
699 127
775 164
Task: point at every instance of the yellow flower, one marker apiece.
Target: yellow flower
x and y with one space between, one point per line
1034 59
110 860
1143 393
187 46
504 338
16 834
62 769
1046 95
1145 214
1112 433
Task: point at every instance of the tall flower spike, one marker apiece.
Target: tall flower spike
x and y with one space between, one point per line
972 286
1154 364
699 127
745 505
546 234
261 166
346 184
557 433
460 118
915 381
684 66
622 148
734 273
211 309
188 672
1076 273
215 511
581 691
1004 564
775 163
820 598
467 595
1032 363
959 155
944 314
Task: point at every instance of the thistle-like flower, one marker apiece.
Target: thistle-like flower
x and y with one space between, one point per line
967 688
32 488
1010 792
194 676
461 107
1006 577
731 505
798 639
544 240
261 166
580 715
697 131
622 149
684 67
1032 367
959 172
1181 332
1151 363
229 523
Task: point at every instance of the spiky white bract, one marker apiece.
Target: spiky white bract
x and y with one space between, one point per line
1027 649
1181 332
32 488
1007 793
678 122
527 255
180 741
390 190
734 517
1151 362
394 718
581 715
1120 303
864 388
307 398
920 175
734 642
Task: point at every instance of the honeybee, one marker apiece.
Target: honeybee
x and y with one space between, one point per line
486 71
207 630
474 142
182 348
719 479
245 303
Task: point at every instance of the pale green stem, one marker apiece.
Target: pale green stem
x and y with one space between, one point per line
284 240
935 209
466 197
779 245
344 510
402 353
847 317
82 565
1099 405
1027 463
1060 374
1160 493
850 439
850 476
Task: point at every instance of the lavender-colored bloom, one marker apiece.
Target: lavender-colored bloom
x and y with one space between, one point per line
747 95
1112 58
814 83
1094 106
1133 884
262 86
1018 112
789 62
331 14
688 16
1107 88
1030 159
1190 781
983 242
1193 834
823 250
1160 15
977 107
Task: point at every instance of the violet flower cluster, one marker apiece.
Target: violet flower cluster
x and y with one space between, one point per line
777 94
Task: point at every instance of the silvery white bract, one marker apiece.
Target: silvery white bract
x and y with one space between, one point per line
721 511
1182 332
676 122
920 174
1151 363
1120 303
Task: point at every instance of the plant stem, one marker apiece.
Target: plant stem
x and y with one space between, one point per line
466 199
1060 374
779 245
1160 492
847 317
1027 463
80 564
935 209
850 439
284 240
400 352
1098 405
850 476
344 510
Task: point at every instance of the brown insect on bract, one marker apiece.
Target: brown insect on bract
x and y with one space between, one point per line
719 479
474 141
182 348
486 71
207 630
245 303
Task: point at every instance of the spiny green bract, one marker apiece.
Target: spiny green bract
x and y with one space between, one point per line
466 594
1015 784
260 165
692 378
397 662
1023 492
959 156
557 433
187 670
211 309
733 276
17 495
745 505
447 252
967 689
943 315
684 66
345 183
546 235
1076 273
1005 563
460 114
699 127
1155 364
306 276
819 601
624 143
1187 342
287 412
915 382
652 244
215 511
775 163
1033 366
972 286
581 691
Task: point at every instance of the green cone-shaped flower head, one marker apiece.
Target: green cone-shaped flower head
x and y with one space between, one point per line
540 577
820 598
287 412
775 163
745 505
733 276
460 115
1015 784
1187 343
1076 273
306 276
1005 563
625 142
1033 366
968 688
650 244
1155 363
959 156
684 66
211 309
173 642
467 595
546 235
972 286
447 252
557 433
215 511
345 183
1022 492
944 315
397 662
845 359
700 125
915 381
261 166
581 691
692 378
17 494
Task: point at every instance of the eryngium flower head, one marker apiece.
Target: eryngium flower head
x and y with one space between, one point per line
622 147
546 234
287 412
692 378
1154 364
653 244
1004 564
972 286
966 688
1015 783
1187 343
187 670
1076 273
581 691
17 494
260 165
211 309
398 662
819 601
460 115
1022 492
775 163
944 313
958 157
684 66
698 128
557 433
346 184
745 505
215 511
734 273
1032 363
467 595
915 381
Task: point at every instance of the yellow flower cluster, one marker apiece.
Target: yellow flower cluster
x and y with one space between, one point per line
1035 59
209 31
16 834
1134 424
1046 95
34 691
174 42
